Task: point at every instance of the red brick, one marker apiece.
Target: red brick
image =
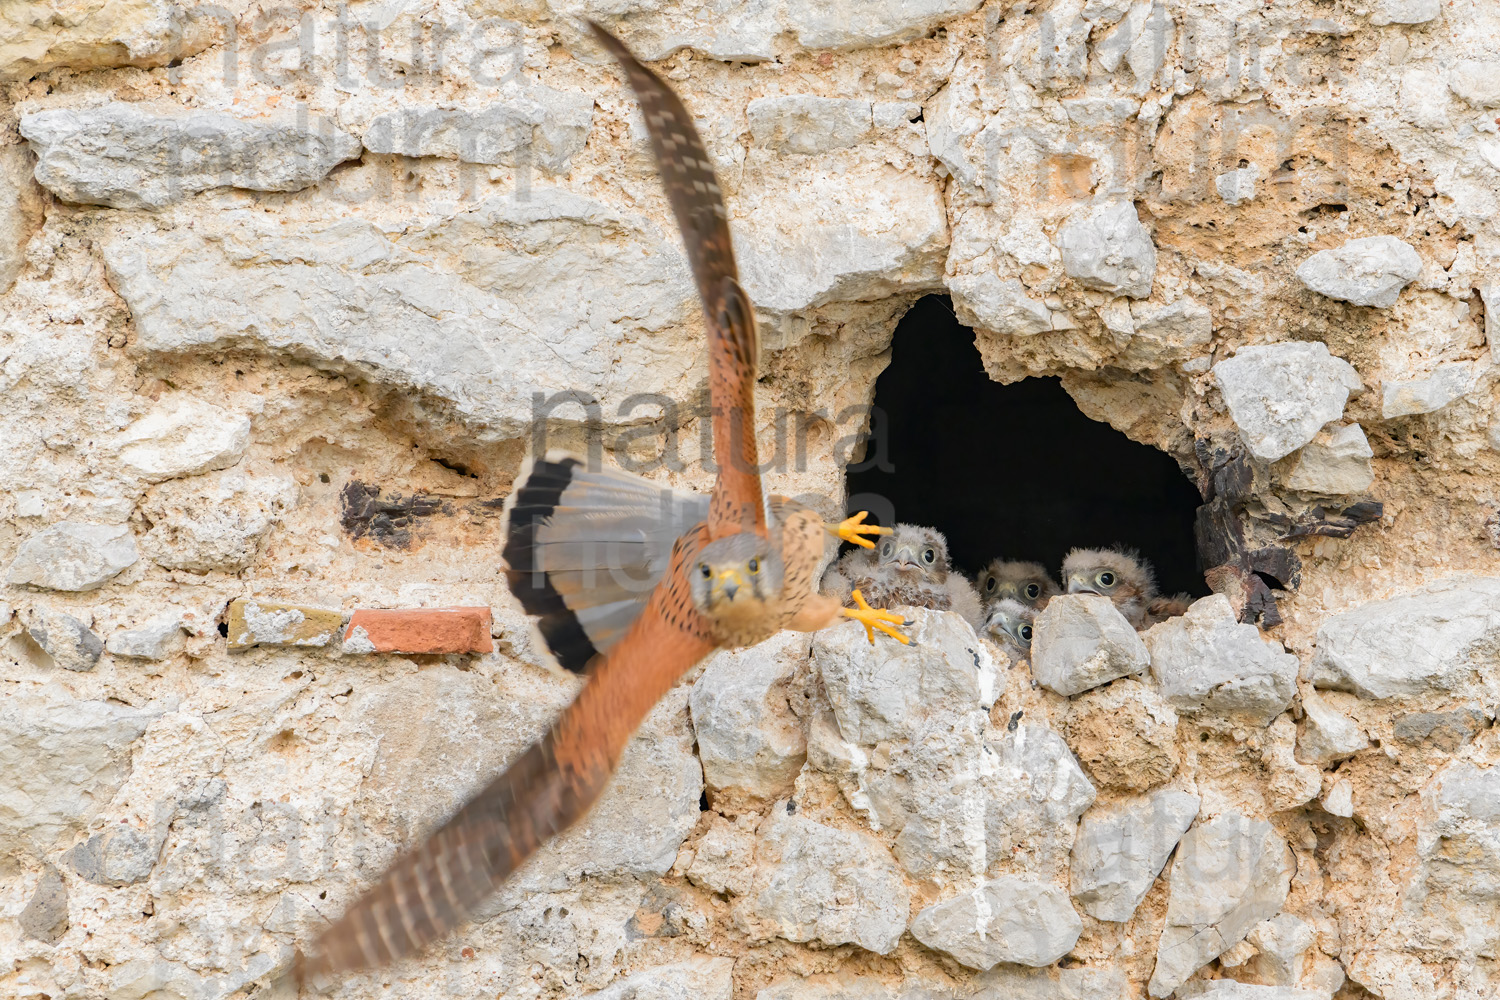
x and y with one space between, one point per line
420 630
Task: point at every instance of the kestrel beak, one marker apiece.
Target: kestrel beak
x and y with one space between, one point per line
1077 586
727 584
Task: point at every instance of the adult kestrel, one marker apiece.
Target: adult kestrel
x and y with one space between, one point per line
632 584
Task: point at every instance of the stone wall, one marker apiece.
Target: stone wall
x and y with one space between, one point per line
281 288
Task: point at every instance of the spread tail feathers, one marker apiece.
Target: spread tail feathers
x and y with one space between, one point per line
584 549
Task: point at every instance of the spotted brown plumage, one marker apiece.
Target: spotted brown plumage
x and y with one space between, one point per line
631 583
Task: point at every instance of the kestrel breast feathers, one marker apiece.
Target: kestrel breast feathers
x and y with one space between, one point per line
631 583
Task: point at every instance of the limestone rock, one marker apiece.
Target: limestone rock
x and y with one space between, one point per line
724 858
1206 661
818 883
45 916
1122 848
1014 982
1229 875
807 124
1340 799
1477 81
1008 920
1124 734
750 743
20 207
1108 249
1367 272
184 436
1448 731
121 855
852 24
214 522
1281 395
1429 640
1281 942
1386 12
1228 989
985 301
541 126
1455 895
61 760
85 34
1165 334
1040 789
1325 735
70 642
1335 462
122 157
1237 186
1426 395
253 622
73 556
1289 782
156 640
444 310
695 979
889 691
1081 642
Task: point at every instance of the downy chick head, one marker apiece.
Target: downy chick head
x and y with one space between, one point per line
1123 577
914 552
1025 582
735 577
1011 622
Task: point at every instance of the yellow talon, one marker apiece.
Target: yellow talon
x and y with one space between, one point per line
853 529
872 619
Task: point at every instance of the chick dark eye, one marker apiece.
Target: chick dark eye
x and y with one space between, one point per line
885 549
989 585
754 566
1025 632
704 571
1033 591
928 555
1106 579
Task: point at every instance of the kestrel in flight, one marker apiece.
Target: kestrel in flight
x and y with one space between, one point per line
632 584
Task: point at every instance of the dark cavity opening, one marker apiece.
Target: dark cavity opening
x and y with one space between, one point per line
1014 471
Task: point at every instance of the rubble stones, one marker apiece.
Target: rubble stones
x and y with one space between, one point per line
156 640
73 556
1121 849
1206 661
807 124
1082 641
184 436
1335 462
1367 272
1429 640
541 126
751 745
214 522
70 642
122 157
121 855
1010 919
1456 890
700 978
1124 734
1040 791
1447 731
1426 395
45 916
20 210
254 622
1325 735
985 301
724 857
818 883
1109 250
1281 395
1229 874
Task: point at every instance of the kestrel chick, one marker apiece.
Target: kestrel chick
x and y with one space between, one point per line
1123 577
1025 582
910 567
1010 623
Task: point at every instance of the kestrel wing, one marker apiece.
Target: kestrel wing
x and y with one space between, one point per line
733 342
431 890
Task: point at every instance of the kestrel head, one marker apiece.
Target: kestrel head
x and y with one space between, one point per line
1010 620
915 551
1025 582
734 577
1123 577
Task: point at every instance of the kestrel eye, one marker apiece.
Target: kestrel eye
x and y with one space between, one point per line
1033 591
704 571
885 549
989 584
1106 579
1025 633
928 555
753 566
